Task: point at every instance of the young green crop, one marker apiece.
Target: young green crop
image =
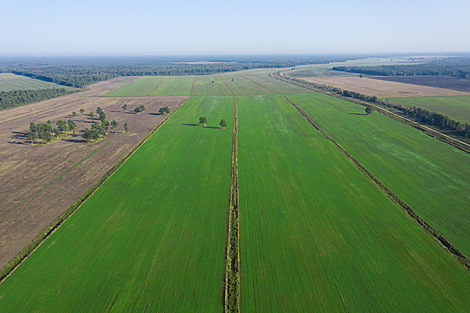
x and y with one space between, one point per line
152 238
432 177
175 86
139 88
316 235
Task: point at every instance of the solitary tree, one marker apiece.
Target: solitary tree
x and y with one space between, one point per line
72 125
124 107
368 110
114 125
102 116
164 110
82 111
232 79
140 109
105 124
92 115
360 75
57 132
74 114
203 121
32 136
212 81
223 124
33 127
126 128
66 128
98 110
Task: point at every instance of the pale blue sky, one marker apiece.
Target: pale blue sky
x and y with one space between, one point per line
232 27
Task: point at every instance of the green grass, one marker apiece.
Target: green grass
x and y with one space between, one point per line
455 107
432 177
317 236
152 238
139 88
175 86
205 87
277 85
242 86
11 82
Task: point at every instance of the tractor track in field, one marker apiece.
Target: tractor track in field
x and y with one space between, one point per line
157 86
231 90
259 84
232 270
194 85
390 194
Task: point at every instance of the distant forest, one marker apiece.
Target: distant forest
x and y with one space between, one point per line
11 99
79 72
454 67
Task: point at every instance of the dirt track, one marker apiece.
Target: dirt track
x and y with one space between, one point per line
383 89
40 182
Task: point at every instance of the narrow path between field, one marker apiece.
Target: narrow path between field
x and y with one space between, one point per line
232 272
194 85
157 86
227 85
390 194
258 84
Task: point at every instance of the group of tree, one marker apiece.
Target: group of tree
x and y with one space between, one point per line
203 122
454 67
140 109
164 110
11 99
45 131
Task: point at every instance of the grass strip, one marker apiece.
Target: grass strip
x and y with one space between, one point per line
232 275
227 85
194 84
154 89
23 254
430 230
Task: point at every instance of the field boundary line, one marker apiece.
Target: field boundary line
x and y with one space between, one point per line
461 145
227 85
157 86
11 266
232 269
258 84
194 85
390 194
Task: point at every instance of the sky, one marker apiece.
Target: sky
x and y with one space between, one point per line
182 27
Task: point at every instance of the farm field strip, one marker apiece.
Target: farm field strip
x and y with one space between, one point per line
317 235
432 177
175 86
278 86
243 86
230 88
159 246
455 107
210 86
11 82
157 86
141 87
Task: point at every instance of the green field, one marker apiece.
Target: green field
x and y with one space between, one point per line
242 86
277 86
139 88
455 107
205 87
11 82
152 238
175 86
432 177
317 236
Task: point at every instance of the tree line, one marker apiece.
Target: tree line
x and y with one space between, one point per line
454 67
11 99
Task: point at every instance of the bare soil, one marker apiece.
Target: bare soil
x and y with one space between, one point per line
430 81
382 88
40 182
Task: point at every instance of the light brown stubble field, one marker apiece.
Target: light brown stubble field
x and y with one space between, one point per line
382 89
40 182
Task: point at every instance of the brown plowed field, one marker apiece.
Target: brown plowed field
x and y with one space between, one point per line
40 182
382 88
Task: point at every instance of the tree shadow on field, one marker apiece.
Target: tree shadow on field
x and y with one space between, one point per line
155 114
213 127
192 125
20 135
358 113
131 112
